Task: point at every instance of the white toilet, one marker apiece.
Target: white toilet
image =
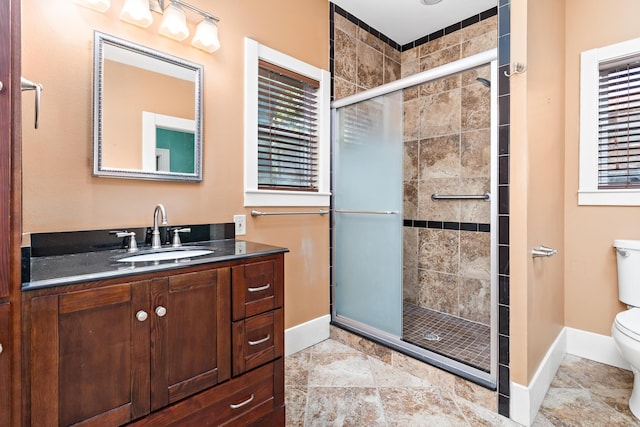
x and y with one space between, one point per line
626 327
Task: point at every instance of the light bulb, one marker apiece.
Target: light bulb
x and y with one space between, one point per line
136 12
206 37
174 23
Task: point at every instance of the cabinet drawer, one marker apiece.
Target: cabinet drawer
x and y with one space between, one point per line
257 340
237 402
257 288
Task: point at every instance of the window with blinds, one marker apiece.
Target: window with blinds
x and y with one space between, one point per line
619 125
609 172
287 129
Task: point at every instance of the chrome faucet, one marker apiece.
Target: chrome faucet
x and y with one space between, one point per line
155 234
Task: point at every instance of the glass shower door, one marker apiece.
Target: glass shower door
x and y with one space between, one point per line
368 213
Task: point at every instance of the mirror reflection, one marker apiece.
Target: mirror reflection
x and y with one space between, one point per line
147 113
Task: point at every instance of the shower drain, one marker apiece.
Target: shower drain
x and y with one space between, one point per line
430 336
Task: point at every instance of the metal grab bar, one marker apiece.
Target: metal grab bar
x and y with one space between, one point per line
258 213
543 251
435 197
29 85
366 212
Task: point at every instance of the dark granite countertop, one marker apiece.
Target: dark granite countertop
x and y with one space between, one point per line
47 271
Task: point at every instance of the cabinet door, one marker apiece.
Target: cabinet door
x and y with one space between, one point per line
190 336
90 356
5 363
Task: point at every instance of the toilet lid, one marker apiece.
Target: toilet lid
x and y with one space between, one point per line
628 322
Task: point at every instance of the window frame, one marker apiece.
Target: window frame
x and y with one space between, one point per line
253 196
588 191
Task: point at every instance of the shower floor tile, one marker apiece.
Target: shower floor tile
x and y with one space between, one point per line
454 337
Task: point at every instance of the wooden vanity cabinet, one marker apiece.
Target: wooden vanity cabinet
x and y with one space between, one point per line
107 355
158 351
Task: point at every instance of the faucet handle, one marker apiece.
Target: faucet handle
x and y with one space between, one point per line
176 237
133 245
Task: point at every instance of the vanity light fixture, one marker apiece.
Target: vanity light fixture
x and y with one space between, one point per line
99 5
206 37
136 12
174 23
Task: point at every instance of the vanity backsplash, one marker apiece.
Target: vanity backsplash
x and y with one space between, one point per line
75 242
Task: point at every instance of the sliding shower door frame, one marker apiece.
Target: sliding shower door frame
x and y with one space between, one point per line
478 376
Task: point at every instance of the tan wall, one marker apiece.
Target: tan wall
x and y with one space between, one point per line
537 175
578 287
59 191
591 277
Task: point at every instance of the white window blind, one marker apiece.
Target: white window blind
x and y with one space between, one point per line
619 124
287 129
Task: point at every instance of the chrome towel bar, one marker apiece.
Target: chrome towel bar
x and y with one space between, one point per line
347 211
435 197
259 213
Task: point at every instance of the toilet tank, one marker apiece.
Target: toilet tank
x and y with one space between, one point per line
628 259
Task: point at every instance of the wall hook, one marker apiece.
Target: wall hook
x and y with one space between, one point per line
543 251
516 68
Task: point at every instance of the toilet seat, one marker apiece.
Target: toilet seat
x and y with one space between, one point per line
628 323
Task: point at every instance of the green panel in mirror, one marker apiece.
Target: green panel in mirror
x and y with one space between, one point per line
179 148
137 93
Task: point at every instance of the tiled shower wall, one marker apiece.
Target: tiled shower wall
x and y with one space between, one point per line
361 58
447 150
447 264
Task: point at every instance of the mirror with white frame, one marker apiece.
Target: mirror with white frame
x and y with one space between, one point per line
147 113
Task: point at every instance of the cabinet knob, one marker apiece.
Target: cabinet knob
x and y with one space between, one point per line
142 315
1 348
161 311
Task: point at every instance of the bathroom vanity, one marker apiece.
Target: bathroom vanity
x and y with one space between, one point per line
189 341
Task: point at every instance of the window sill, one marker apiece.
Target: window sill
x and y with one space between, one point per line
285 198
609 198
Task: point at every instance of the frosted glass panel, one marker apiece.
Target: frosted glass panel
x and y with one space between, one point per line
368 239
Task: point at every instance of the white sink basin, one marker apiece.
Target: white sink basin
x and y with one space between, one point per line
163 255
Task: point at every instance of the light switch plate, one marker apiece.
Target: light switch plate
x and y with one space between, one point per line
241 224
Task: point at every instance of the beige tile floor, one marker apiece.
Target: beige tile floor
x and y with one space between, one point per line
331 384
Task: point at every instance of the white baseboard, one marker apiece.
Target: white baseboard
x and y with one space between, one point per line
525 401
596 347
306 334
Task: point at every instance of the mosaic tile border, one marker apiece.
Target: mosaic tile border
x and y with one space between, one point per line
448 225
504 120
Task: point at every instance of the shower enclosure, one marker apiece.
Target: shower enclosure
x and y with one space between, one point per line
414 221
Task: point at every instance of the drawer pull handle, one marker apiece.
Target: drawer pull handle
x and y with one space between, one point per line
161 311
142 315
261 288
265 339
241 404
